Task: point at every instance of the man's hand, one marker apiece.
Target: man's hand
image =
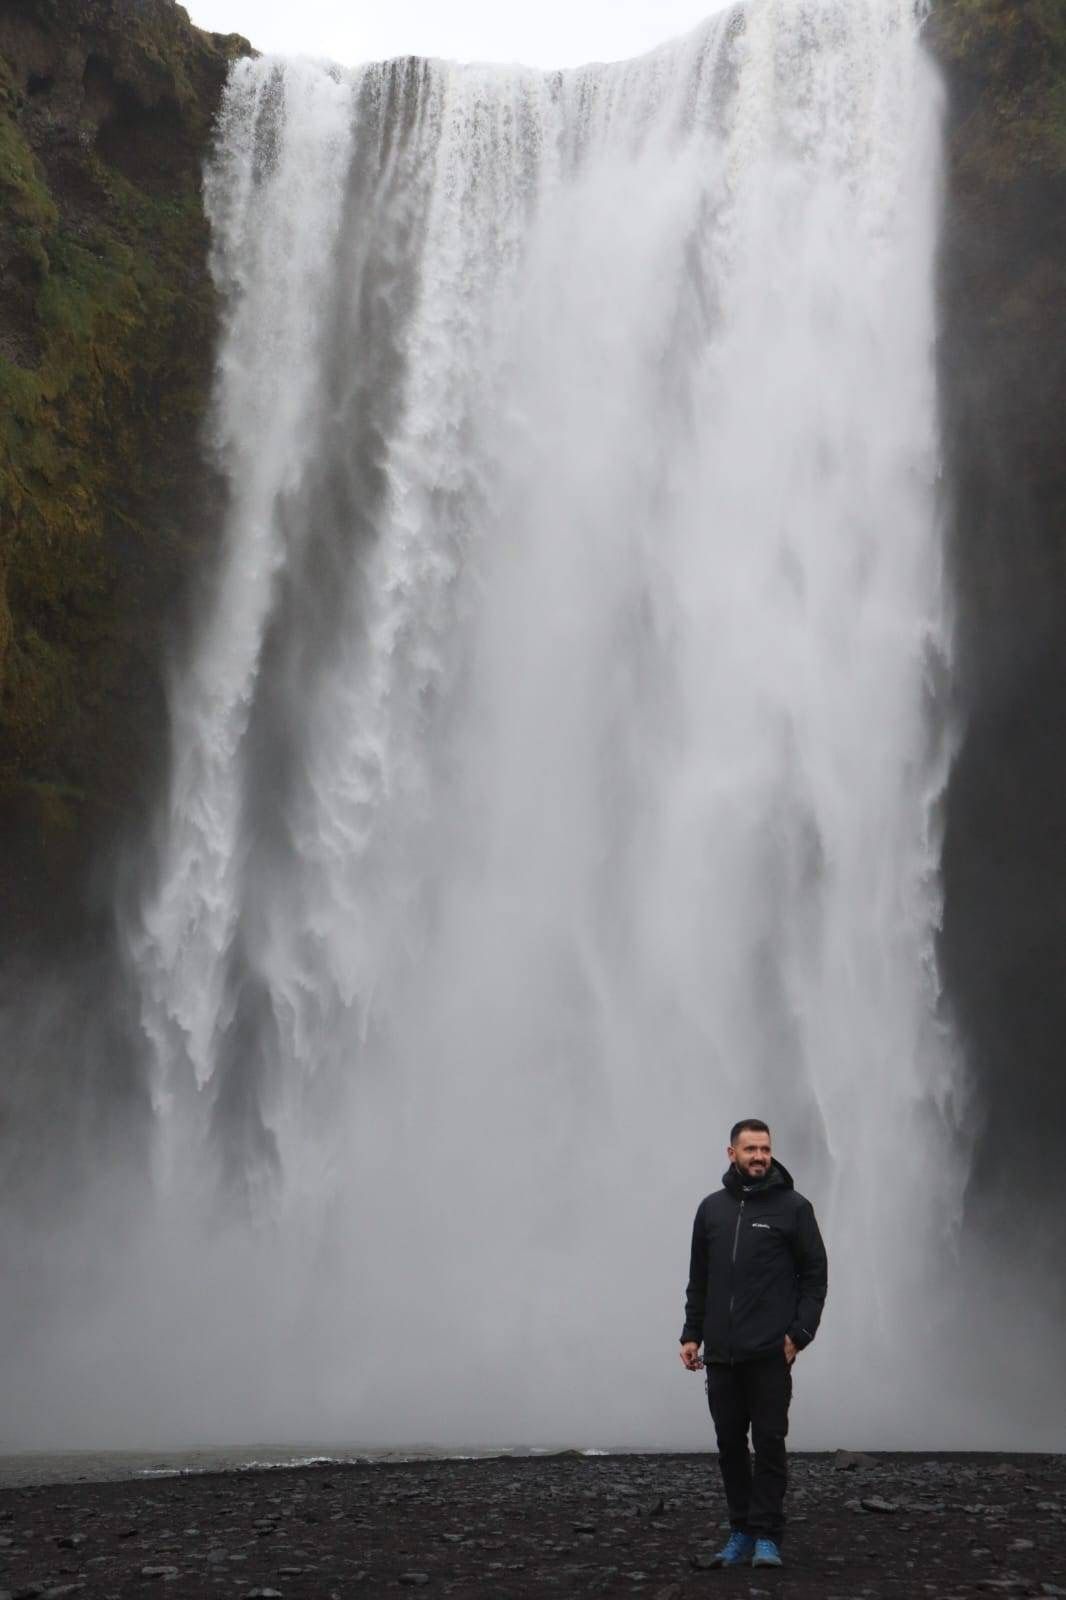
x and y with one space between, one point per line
690 1356
791 1350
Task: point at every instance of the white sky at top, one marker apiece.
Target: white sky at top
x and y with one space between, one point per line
544 33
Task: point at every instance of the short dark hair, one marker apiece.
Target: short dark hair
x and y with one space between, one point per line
749 1125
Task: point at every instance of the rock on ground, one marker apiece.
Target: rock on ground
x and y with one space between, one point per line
964 1526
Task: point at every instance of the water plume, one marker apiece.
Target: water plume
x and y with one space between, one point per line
556 775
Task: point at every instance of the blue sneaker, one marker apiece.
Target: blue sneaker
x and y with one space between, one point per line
766 1554
736 1552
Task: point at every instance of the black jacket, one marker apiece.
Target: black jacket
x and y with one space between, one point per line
758 1269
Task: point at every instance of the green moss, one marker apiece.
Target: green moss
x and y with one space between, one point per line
105 363
1012 54
23 189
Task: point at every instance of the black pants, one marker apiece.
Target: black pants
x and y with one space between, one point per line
755 1395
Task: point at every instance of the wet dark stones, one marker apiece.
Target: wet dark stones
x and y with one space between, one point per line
515 1528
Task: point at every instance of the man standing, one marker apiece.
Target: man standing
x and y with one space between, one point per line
756 1287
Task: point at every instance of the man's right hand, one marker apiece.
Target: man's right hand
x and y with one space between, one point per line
690 1356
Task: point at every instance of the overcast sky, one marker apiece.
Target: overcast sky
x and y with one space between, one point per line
547 33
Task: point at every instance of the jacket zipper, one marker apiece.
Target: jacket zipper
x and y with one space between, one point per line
732 1274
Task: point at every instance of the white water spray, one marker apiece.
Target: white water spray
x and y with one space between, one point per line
554 780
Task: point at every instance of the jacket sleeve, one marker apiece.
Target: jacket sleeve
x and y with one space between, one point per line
696 1293
812 1278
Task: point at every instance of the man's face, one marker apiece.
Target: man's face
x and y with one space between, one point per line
751 1154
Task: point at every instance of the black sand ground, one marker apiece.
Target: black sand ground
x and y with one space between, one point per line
938 1527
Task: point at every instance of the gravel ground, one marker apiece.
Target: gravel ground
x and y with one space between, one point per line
883 1527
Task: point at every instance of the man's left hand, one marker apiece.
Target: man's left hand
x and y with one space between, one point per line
791 1350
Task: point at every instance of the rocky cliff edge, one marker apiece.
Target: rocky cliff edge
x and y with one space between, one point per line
107 326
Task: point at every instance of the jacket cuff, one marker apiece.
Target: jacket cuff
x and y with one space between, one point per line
688 1337
800 1336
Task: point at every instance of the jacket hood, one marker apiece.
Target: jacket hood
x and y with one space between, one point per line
778 1177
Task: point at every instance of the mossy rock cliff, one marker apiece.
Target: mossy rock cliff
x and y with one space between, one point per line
1003 388
107 328
1005 61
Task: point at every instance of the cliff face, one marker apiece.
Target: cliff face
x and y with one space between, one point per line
107 322
1003 383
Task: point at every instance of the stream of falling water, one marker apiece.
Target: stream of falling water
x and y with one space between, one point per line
555 776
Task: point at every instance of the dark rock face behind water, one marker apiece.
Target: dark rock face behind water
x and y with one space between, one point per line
1003 386
890 1528
107 509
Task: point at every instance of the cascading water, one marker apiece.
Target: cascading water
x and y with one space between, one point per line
555 778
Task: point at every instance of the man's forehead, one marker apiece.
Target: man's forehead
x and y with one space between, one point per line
749 1136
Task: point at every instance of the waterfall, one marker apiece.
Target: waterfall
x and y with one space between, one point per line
556 775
